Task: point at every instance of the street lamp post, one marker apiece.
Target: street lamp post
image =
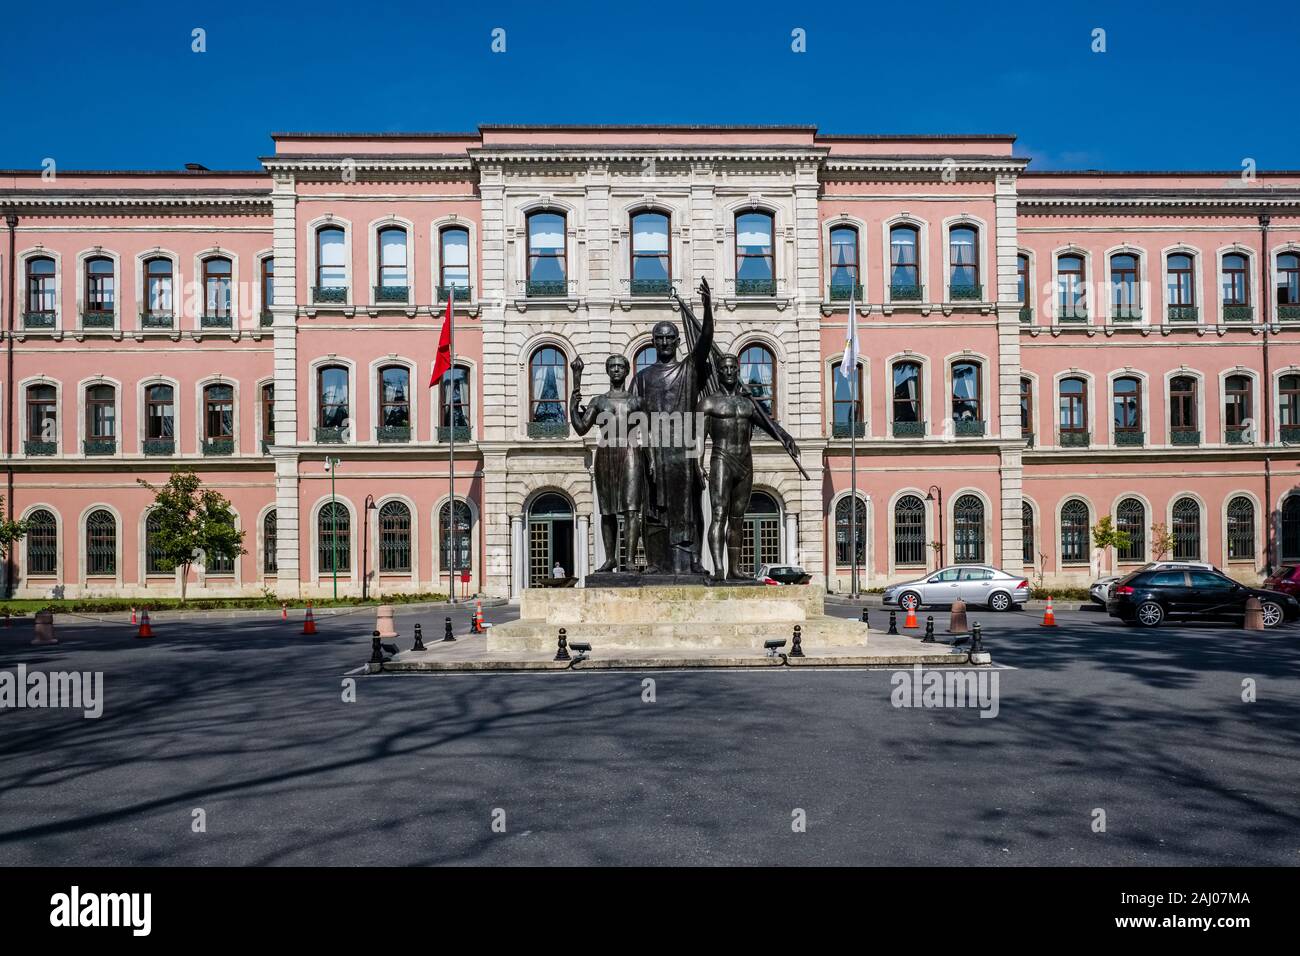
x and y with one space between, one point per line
365 544
332 463
935 493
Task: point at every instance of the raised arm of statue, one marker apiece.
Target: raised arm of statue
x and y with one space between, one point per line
704 347
582 416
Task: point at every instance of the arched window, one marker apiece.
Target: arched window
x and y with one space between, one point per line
219 418
1074 411
1180 287
268 289
394 538
100 293
968 530
547 261
904 263
217 297
758 374
967 408
1186 528
42 293
158 288
1022 288
1237 408
391 256
331 265
1288 407
101 544
457 546
455 389
909 531
1183 426
844 533
101 420
761 543
270 543
1071 288
333 411
42 420
1074 532
1288 284
1128 411
1125 290
1241 529
453 264
846 401
651 266
1027 533
1236 287
548 386
159 419
844 272
963 264
755 254
42 544
1027 409
1291 528
156 562
394 403
908 403
334 537
1131 518
268 415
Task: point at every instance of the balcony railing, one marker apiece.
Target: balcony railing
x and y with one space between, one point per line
549 429
39 448
1072 315
905 292
755 287
966 293
393 434
1184 436
1238 435
1181 313
1130 439
1074 439
1288 313
547 288
1026 315
909 429
157 320
226 321
392 293
1291 434
159 446
38 320
1125 315
968 427
844 291
1238 313
329 435
329 294
651 286
97 319
218 446
99 446
847 429
462 293
462 433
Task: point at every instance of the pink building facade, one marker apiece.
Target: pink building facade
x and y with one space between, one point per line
1040 350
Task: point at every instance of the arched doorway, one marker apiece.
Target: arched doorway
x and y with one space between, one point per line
1291 528
550 536
762 540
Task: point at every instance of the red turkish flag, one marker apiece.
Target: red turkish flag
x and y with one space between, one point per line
442 363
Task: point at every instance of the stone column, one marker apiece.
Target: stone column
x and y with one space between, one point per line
580 539
791 538
516 556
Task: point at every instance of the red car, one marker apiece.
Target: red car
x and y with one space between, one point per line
1285 579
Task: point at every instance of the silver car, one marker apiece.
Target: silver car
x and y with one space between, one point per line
972 583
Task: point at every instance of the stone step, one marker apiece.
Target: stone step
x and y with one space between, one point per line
534 636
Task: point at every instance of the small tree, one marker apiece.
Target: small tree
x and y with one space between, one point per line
191 521
1106 536
1162 541
10 532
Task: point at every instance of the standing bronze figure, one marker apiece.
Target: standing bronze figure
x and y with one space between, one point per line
620 473
730 415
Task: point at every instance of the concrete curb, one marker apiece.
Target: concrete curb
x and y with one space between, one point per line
295 614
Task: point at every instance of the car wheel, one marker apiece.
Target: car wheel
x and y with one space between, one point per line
1150 614
909 600
1271 613
1000 601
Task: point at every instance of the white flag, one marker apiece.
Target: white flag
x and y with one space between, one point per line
852 348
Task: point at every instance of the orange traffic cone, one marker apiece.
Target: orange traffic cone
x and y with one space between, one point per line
1049 619
911 618
309 622
284 610
476 623
133 620
145 629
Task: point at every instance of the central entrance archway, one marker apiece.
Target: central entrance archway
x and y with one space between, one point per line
762 541
550 537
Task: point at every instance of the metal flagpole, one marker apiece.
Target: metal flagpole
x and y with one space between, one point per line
451 448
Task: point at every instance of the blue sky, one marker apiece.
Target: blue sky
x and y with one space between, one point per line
1194 85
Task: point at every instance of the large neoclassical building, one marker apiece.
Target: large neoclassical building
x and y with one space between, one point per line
1041 349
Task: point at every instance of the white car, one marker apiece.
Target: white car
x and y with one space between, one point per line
1101 589
972 583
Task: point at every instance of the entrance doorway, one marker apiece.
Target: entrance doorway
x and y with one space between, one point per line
550 537
762 540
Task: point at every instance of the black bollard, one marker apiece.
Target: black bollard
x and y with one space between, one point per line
893 623
864 615
976 639
446 632
376 653
929 630
796 642
419 639
562 649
